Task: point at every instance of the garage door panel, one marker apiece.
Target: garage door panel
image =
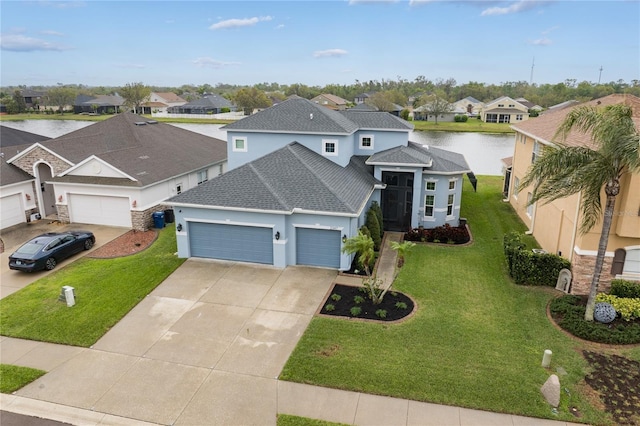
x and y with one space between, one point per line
318 247
231 242
100 210
12 212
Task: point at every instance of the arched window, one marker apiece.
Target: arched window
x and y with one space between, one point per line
618 261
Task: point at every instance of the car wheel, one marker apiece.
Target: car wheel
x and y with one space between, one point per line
88 244
50 264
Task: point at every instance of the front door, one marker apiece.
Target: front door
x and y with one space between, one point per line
397 201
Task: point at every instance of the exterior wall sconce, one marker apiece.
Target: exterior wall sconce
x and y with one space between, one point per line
277 235
134 204
179 227
60 199
28 197
344 238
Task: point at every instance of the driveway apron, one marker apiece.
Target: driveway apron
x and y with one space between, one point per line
205 347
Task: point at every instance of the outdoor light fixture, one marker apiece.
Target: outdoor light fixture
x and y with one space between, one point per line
278 235
344 238
179 227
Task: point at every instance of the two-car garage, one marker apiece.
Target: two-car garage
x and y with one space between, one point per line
255 244
100 210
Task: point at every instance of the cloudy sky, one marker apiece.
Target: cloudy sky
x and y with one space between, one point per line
171 43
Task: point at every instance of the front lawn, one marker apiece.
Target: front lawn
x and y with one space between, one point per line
105 289
13 377
476 339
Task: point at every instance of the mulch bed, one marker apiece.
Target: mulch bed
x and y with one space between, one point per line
127 244
617 381
368 309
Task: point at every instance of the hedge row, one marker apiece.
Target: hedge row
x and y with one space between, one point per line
624 288
527 267
446 234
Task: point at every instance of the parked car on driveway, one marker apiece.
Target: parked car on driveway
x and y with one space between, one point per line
46 250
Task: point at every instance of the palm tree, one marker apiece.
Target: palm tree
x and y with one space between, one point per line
563 170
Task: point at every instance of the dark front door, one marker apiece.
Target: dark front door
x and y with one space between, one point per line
397 201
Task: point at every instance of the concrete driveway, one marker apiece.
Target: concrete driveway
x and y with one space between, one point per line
14 237
205 347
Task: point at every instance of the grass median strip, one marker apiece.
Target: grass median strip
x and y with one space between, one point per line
476 339
13 377
105 289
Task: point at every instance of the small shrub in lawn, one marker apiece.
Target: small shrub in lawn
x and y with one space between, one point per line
381 313
401 305
460 118
329 307
358 300
355 311
336 297
624 288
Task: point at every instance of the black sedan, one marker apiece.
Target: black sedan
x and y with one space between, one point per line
46 250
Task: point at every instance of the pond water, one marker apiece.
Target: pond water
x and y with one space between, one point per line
483 151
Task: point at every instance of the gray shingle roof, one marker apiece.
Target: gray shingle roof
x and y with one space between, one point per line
291 178
149 153
14 137
209 101
417 155
377 120
12 141
12 174
297 115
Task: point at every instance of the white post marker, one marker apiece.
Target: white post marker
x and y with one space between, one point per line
546 358
69 296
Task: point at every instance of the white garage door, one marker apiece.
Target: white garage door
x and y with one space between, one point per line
12 212
99 210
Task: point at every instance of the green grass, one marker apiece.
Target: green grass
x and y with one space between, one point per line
106 289
471 125
289 420
13 377
476 339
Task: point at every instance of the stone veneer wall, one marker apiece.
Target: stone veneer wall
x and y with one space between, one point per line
143 220
27 162
582 270
63 213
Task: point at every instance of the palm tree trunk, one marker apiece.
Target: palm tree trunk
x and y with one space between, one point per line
602 249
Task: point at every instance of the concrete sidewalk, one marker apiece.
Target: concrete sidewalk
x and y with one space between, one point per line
206 348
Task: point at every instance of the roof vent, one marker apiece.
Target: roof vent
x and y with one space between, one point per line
144 157
141 123
311 116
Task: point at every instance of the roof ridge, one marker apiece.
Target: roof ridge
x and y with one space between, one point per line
265 181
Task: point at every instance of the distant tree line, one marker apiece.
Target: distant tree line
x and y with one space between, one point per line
400 92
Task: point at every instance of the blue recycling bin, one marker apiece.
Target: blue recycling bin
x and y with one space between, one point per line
158 220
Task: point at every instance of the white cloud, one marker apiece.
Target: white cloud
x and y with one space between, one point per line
541 42
329 53
22 43
236 23
52 33
279 27
131 66
420 2
206 62
63 4
515 7
372 1
549 30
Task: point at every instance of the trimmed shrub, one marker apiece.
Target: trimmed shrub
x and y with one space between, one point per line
378 211
374 228
460 118
624 288
627 307
441 234
527 267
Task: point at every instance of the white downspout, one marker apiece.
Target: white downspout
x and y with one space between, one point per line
575 227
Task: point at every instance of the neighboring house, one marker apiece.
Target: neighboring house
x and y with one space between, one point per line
208 104
470 105
301 179
362 98
530 105
556 225
366 106
17 189
331 101
562 105
34 98
161 101
422 114
504 110
101 104
118 171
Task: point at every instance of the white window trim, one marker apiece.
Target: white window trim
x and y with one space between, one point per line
455 184
435 185
516 184
179 188
204 172
453 206
246 143
530 207
324 147
433 207
366 136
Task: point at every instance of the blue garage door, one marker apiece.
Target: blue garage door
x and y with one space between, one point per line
231 242
318 247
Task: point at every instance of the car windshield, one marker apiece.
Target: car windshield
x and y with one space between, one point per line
29 248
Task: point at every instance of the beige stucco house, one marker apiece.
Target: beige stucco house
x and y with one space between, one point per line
331 101
504 110
556 225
